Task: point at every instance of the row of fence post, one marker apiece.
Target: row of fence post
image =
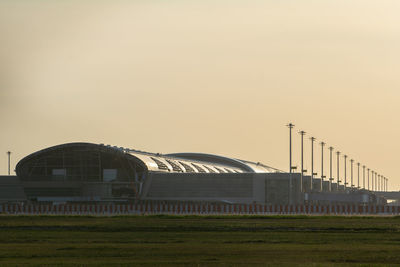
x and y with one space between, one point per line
193 208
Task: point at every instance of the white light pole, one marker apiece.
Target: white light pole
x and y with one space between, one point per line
330 168
364 176
358 177
351 183
373 181
345 171
302 133
290 126
312 162
338 169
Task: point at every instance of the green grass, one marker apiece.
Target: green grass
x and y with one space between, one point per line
199 240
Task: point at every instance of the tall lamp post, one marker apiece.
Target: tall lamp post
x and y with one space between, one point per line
372 180
345 171
290 126
322 164
384 184
338 168
368 178
379 182
364 176
330 168
302 133
358 177
351 183
312 162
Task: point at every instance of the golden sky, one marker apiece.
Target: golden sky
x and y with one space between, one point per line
219 77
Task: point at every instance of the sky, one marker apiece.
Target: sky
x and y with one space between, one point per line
222 77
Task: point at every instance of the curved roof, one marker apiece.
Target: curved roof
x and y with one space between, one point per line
177 162
247 166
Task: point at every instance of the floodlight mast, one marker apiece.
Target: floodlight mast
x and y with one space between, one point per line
384 183
9 160
364 176
312 162
338 168
290 126
368 178
358 177
372 181
345 171
302 133
380 182
322 161
351 184
330 168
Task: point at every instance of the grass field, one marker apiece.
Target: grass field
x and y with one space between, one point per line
199 241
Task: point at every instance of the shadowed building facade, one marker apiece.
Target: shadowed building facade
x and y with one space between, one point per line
86 172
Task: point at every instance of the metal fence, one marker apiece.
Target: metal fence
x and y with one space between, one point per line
195 209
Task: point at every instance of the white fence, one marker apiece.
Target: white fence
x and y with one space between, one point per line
195 208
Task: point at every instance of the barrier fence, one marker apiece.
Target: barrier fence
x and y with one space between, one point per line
194 208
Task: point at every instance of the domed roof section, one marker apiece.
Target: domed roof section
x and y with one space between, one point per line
245 166
176 162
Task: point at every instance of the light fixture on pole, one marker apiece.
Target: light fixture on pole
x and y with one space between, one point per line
351 183
338 169
383 183
312 162
379 182
330 168
364 176
358 177
345 171
384 188
372 180
302 133
290 126
322 161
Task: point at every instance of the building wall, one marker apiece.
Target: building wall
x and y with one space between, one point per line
11 189
272 188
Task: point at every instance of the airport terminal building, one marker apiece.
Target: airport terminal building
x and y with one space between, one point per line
86 172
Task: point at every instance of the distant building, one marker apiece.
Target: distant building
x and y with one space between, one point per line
86 172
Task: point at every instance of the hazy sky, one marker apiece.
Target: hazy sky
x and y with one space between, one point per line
218 77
